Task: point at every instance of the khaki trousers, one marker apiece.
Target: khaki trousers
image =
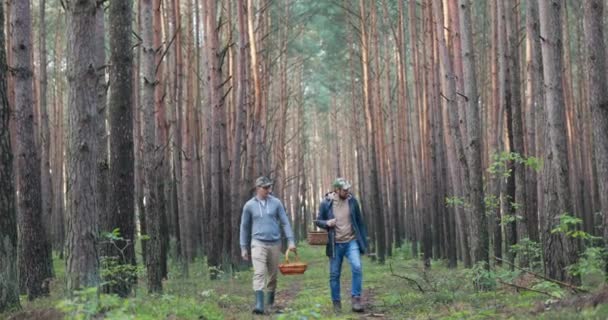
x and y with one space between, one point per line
265 259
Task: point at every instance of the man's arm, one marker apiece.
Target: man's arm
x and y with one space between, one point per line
321 220
286 226
245 227
361 223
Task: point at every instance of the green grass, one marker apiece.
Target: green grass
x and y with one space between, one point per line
448 294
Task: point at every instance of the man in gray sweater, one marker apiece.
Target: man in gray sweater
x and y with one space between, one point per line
260 222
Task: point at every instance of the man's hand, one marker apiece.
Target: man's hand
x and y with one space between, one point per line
245 255
292 247
331 222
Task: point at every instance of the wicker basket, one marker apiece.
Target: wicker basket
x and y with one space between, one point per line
317 238
290 268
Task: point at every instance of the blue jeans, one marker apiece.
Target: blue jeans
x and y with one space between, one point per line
351 251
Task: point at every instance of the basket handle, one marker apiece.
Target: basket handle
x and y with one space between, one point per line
287 256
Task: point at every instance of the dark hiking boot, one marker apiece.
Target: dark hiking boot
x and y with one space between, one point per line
259 302
337 306
357 306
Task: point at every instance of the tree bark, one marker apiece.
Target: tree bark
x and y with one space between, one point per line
595 59
83 147
153 245
560 251
217 126
9 274
46 182
121 200
162 127
59 125
533 109
479 241
34 257
240 130
101 130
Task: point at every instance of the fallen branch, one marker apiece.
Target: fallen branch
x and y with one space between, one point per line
560 283
405 278
528 289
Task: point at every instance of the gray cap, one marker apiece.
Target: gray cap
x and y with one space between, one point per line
263 182
341 183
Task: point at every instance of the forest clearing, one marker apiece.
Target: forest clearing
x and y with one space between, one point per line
159 157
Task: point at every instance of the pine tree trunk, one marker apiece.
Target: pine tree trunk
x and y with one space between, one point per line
217 125
508 97
427 156
597 99
560 251
46 182
138 139
83 147
495 126
101 131
153 221
240 130
59 214
9 274
382 217
453 139
162 127
121 213
480 244
35 257
533 109
252 170
414 130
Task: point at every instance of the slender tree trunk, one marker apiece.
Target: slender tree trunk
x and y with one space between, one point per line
480 244
153 245
560 251
414 130
382 236
533 110
46 182
83 147
164 167
371 126
121 213
178 124
138 139
217 125
34 256
517 116
597 99
240 130
9 274
58 220
101 131
495 125
453 138
510 97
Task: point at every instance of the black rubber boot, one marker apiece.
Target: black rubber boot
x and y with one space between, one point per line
259 302
270 300
270 303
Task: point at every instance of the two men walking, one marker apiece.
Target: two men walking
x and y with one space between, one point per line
339 214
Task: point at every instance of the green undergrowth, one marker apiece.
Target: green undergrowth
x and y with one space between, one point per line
398 289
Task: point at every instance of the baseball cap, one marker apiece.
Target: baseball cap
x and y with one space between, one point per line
341 183
263 182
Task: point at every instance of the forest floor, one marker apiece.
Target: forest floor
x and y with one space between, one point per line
443 294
